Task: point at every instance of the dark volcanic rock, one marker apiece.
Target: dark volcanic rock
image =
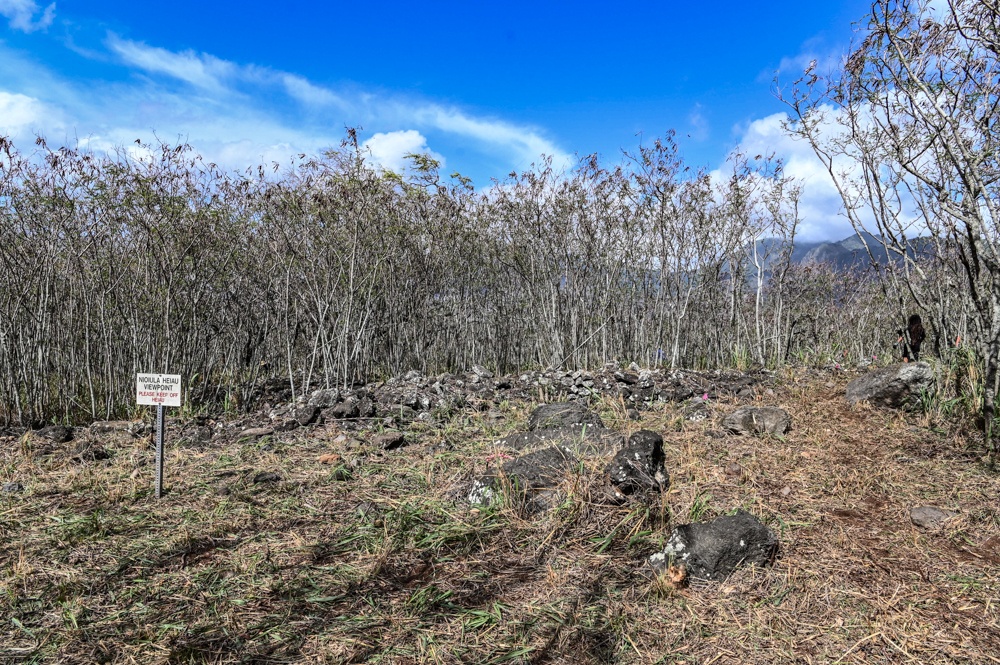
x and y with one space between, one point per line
758 420
563 414
349 408
713 550
389 440
582 440
56 433
305 414
897 386
266 477
324 398
533 479
638 467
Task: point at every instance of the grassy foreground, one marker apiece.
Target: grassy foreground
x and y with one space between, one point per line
358 555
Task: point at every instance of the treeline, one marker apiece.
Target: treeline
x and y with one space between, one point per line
329 271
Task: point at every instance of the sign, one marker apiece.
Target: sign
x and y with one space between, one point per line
158 389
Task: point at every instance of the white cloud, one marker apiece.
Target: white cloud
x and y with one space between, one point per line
203 71
526 144
310 94
389 149
21 114
21 12
240 114
820 204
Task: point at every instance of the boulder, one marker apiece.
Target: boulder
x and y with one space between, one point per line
304 414
638 467
758 420
533 479
898 386
324 398
563 414
56 433
713 550
349 408
580 439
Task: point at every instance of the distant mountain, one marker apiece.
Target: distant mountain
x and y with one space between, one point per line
847 253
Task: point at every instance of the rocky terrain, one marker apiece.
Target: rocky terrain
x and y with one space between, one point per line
624 515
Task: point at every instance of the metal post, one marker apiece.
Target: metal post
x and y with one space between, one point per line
159 451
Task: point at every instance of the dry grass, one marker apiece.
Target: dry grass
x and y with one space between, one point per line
390 566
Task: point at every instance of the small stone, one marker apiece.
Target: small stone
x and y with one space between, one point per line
929 517
341 474
12 488
266 477
390 440
257 432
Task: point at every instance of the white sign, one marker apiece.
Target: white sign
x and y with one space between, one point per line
157 389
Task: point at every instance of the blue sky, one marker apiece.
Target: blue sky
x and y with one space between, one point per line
484 87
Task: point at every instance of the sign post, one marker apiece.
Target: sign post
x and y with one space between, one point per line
159 390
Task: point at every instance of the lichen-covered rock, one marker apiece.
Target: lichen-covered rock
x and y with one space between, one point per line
898 386
638 467
713 550
758 420
563 414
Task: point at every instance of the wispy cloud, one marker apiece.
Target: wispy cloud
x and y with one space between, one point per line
698 124
248 112
200 70
21 13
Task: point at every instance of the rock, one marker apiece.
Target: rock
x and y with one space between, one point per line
366 406
349 408
255 432
13 487
533 479
389 440
90 452
896 387
305 414
581 440
56 433
398 413
324 398
287 425
562 414
929 517
758 420
117 426
482 372
200 434
713 550
638 467
266 477
695 410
